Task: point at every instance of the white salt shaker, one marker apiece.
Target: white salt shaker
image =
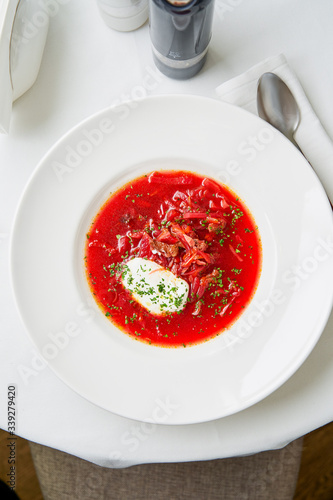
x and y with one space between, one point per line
124 15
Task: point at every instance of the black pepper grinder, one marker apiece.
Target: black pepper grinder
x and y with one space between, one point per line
180 32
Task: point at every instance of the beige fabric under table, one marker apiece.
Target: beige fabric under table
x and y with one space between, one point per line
270 475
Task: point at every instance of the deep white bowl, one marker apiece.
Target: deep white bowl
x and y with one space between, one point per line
279 328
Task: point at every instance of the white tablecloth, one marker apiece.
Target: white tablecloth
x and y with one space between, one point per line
87 67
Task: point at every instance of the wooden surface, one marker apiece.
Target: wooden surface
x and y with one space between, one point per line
315 480
27 487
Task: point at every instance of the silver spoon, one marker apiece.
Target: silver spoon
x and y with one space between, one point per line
277 105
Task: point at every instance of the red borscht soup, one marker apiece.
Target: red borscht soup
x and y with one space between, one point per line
173 258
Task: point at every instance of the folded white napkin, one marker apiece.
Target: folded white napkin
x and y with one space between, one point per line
310 135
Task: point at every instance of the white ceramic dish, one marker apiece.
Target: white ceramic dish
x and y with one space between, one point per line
28 41
24 26
277 331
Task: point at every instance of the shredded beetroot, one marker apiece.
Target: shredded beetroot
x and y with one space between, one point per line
158 178
104 246
194 215
233 251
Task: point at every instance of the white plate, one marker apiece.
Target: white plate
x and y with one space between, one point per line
279 328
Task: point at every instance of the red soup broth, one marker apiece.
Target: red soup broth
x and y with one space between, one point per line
192 226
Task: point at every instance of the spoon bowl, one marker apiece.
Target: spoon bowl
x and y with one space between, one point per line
277 105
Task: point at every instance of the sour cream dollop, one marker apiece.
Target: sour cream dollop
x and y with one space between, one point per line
154 287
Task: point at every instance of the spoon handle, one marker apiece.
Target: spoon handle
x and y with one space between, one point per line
328 188
292 140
